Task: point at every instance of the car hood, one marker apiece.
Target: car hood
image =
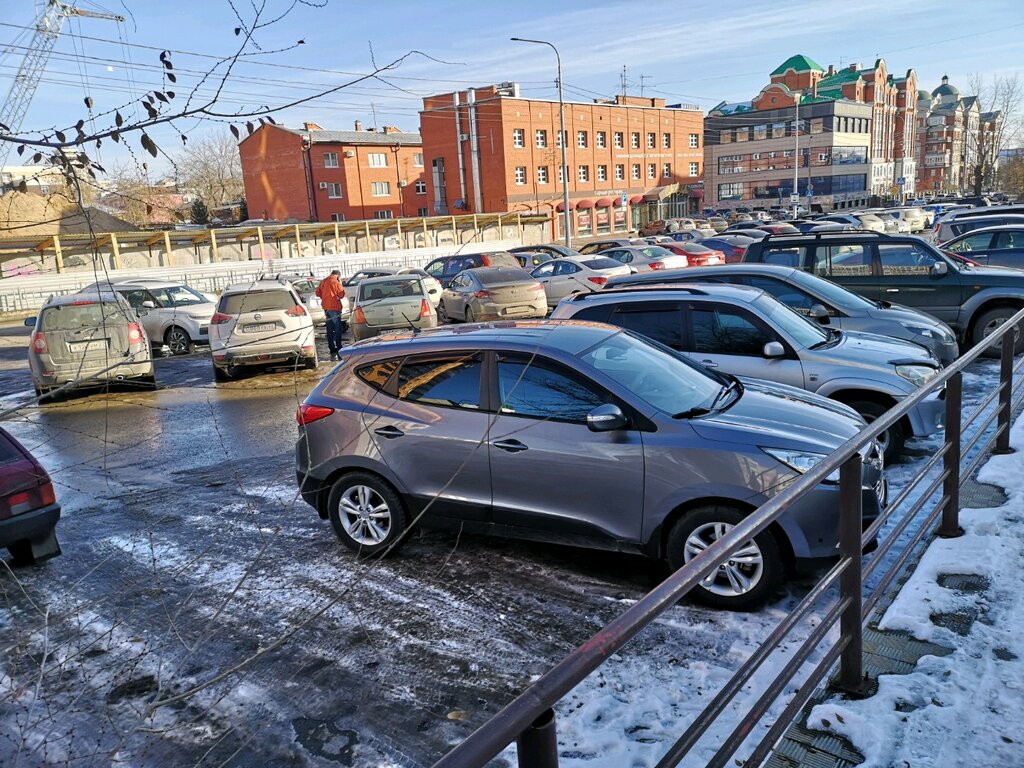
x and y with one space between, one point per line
870 350
779 416
899 314
200 311
998 276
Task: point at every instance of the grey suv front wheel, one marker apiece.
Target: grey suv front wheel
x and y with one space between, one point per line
747 579
366 513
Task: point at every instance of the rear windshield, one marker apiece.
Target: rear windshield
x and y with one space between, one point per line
502 275
255 301
601 262
8 451
500 259
390 289
72 317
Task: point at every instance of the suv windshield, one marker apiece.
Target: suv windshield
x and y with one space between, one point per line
653 373
802 330
832 293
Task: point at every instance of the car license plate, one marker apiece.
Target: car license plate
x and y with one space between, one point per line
85 347
517 310
259 328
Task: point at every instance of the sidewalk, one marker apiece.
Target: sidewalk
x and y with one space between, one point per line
946 650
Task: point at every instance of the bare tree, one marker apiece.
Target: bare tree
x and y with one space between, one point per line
1011 176
125 193
998 129
211 170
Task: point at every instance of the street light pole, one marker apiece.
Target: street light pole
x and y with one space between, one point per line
796 157
563 139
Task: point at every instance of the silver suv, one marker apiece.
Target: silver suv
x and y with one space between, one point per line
747 332
258 324
172 314
571 432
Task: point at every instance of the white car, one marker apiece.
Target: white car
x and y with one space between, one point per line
916 219
389 303
432 284
173 314
258 324
564 277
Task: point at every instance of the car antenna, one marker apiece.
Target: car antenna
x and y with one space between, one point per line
412 325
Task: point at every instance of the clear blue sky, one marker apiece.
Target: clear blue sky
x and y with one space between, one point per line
696 52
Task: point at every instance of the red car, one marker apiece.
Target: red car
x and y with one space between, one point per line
28 506
696 254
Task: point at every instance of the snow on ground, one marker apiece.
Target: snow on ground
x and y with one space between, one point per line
964 709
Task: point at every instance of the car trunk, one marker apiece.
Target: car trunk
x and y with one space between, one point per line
508 294
392 311
85 335
259 318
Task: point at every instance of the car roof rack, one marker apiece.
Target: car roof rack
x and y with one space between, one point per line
641 289
826 234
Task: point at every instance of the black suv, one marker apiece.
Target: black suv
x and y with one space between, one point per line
904 269
446 268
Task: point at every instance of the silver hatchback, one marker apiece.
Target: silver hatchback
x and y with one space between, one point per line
578 433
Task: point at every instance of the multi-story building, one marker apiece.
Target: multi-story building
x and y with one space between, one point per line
629 160
852 136
310 174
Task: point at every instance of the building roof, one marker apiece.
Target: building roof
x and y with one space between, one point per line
946 89
736 107
838 80
923 95
798 63
358 137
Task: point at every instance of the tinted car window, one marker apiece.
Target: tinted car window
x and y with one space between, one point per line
786 257
904 259
545 270
72 317
536 389
255 301
1009 240
451 381
8 451
664 324
390 289
136 296
600 262
377 374
852 260
500 259
724 330
567 268
500 275
595 314
971 243
787 294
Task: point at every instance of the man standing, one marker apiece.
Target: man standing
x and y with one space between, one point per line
331 293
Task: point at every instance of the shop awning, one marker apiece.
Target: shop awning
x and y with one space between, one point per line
660 193
604 202
635 199
561 206
584 204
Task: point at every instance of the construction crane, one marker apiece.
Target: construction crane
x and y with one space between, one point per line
48 26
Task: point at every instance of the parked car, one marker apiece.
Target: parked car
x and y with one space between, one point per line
973 301
260 323
820 300
916 219
738 216
86 340
658 239
433 286
171 313
447 267
596 246
718 223
747 332
28 505
647 257
362 274
752 233
867 221
391 302
731 246
697 254
564 277
554 249
600 421
492 293
779 228
959 213
1001 246
530 259
948 228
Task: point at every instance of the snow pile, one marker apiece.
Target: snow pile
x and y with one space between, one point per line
964 709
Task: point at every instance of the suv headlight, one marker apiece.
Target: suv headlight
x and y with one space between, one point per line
801 461
917 375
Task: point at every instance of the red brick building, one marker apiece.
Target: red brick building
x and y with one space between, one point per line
309 174
490 150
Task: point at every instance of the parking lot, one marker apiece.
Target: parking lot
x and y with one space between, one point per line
202 615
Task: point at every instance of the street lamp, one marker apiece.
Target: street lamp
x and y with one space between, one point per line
563 140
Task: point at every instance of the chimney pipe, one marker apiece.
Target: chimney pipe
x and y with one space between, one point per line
359 125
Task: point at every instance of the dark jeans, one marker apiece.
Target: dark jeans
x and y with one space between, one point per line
333 330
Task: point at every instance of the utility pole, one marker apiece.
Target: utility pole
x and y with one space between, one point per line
642 78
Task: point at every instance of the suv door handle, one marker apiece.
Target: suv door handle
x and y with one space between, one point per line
892 290
709 363
389 431
512 446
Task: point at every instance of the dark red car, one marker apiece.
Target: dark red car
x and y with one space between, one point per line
696 254
28 506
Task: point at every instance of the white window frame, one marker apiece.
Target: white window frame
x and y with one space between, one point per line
332 188
666 171
583 173
337 217
520 175
380 189
601 140
666 141
694 141
541 138
695 169
421 187
637 172
620 140
330 159
378 159
634 140
542 174
383 215
602 173
620 172
581 139
652 140
417 159
652 171
518 138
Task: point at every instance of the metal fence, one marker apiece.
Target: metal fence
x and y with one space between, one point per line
529 720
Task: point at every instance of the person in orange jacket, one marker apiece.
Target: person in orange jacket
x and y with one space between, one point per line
331 293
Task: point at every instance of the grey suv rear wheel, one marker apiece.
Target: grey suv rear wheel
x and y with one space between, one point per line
366 513
747 579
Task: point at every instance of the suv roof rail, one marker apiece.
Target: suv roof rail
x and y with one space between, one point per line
641 289
830 233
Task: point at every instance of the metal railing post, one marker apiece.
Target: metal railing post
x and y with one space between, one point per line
950 526
1006 393
851 511
537 746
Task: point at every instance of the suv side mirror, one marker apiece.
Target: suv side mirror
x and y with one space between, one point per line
30 322
773 349
606 418
149 305
940 268
820 313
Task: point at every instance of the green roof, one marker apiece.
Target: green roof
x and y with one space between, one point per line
837 80
798 63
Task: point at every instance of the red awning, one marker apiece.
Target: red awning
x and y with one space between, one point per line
584 204
636 199
561 206
697 194
604 202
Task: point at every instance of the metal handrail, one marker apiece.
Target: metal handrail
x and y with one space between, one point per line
534 705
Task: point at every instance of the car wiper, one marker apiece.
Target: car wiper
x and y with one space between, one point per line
734 384
832 338
691 412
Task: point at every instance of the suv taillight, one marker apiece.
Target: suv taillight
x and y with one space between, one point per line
307 414
297 311
134 333
219 318
39 343
426 309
